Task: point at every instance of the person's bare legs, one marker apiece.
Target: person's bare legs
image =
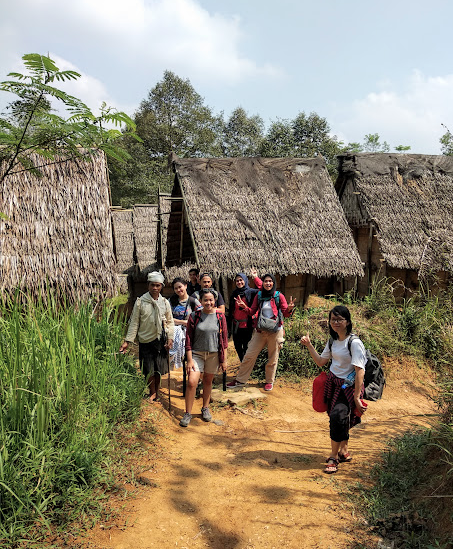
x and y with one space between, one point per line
207 388
154 385
191 387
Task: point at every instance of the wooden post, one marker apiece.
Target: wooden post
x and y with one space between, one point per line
182 233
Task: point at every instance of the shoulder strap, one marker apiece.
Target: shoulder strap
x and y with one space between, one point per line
219 322
352 337
277 298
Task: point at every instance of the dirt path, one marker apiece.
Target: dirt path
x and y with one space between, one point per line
249 484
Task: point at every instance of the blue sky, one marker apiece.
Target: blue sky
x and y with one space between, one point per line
368 67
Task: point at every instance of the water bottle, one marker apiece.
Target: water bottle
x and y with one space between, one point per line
349 381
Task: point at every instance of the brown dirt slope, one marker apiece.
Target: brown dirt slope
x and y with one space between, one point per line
256 481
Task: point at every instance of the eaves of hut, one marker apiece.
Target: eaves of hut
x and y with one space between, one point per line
400 207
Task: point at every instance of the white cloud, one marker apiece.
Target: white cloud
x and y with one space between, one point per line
412 116
147 35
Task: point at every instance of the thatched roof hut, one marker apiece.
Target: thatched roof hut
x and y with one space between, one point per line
400 207
57 231
145 222
164 207
274 214
123 234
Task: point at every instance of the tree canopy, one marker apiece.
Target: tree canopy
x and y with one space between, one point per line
30 125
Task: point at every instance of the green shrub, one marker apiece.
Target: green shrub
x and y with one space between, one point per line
64 387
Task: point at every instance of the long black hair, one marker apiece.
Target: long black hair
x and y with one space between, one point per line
340 310
174 299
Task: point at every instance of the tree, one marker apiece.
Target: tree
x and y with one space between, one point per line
372 143
446 142
31 126
305 136
403 148
242 134
172 119
279 140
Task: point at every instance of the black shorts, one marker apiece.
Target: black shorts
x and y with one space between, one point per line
153 357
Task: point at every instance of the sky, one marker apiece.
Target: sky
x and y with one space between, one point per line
367 67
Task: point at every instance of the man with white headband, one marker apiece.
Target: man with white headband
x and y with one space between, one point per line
152 322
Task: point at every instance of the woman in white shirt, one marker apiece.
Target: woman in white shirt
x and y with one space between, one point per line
343 402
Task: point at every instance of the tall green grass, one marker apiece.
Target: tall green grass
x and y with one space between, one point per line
63 388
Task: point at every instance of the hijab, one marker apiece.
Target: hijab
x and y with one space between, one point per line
245 291
267 294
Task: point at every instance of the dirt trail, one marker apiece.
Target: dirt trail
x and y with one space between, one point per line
247 484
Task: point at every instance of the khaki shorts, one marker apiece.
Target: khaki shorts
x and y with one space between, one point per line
206 362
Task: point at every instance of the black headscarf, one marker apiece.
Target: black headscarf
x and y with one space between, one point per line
267 294
245 291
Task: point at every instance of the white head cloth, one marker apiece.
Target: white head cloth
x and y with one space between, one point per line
156 276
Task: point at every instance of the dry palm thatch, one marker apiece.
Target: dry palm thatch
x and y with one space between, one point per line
57 231
275 214
409 200
164 218
145 221
123 232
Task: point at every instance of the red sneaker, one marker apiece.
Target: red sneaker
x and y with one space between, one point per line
268 386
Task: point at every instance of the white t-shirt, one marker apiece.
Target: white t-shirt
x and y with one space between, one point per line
342 362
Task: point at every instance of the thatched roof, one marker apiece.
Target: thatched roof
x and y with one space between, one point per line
164 217
145 221
409 199
57 230
280 215
123 232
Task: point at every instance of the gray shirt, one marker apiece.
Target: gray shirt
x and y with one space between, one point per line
206 337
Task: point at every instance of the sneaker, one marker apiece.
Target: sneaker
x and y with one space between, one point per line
268 386
206 414
235 384
185 419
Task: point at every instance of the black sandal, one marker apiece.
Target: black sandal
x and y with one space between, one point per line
331 466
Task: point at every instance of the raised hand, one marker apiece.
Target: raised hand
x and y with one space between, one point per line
292 303
305 340
253 273
241 304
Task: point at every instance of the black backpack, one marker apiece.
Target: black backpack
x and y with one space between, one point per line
374 380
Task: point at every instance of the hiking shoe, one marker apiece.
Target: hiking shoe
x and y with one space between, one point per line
206 414
235 384
268 386
185 419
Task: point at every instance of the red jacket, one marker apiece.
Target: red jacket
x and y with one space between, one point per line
192 322
254 310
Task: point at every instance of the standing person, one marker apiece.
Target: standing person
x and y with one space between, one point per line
239 322
152 322
181 306
207 282
342 403
206 349
267 310
193 285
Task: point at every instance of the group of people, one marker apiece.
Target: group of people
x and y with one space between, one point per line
192 327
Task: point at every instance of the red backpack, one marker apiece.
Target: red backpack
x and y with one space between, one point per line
319 384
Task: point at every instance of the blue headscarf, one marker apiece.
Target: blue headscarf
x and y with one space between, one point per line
245 291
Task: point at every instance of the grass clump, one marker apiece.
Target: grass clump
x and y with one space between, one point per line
64 388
